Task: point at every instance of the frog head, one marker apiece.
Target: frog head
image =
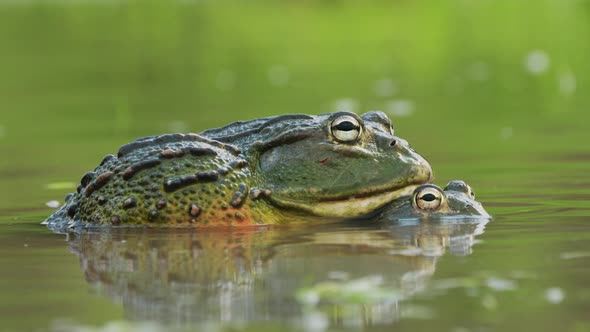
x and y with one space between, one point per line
337 164
429 201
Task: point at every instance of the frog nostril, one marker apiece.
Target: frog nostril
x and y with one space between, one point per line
393 143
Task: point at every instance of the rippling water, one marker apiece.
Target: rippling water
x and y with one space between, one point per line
487 96
529 264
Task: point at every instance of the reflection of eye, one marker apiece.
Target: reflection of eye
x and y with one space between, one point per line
428 198
346 128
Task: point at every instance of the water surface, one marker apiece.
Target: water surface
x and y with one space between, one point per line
485 95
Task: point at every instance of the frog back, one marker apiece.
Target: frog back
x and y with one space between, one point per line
175 179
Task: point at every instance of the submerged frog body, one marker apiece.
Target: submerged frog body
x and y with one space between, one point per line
249 173
428 201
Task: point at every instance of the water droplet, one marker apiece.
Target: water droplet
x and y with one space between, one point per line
278 75
537 62
400 107
554 295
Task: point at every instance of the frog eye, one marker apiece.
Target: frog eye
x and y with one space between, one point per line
346 128
461 186
428 198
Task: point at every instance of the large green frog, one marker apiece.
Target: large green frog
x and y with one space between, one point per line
429 201
249 173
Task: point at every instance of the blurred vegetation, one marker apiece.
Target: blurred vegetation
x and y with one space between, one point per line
462 79
494 92
98 69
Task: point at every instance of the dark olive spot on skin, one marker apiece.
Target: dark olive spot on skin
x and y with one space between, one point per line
129 203
153 215
106 159
87 178
101 200
72 210
161 204
194 210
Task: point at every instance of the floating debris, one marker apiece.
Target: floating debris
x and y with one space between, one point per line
574 254
537 62
366 290
53 204
500 284
554 295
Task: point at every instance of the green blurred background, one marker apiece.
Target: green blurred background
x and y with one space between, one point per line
75 73
493 92
80 78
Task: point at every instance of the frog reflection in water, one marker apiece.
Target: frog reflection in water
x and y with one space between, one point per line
246 275
249 173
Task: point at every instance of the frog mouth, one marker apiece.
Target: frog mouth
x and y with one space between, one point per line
347 207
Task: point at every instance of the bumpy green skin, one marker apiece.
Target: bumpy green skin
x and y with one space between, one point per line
458 202
246 173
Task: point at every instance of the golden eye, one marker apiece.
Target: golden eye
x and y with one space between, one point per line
428 198
346 128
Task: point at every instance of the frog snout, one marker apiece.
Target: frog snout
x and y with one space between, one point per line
385 142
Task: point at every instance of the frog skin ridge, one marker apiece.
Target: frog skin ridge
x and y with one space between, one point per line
249 173
456 201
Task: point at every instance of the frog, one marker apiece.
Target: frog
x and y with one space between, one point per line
264 171
430 202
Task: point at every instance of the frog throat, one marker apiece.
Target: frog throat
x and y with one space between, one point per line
345 208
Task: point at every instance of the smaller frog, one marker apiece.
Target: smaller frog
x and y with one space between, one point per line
428 201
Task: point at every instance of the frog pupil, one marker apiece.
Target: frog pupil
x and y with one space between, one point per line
346 126
428 197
